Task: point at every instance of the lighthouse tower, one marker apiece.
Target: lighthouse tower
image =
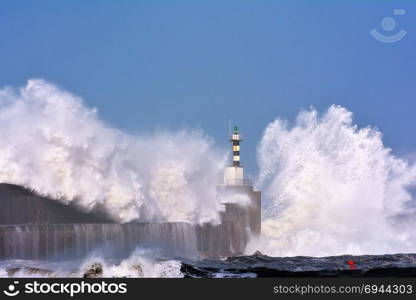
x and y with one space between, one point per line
234 175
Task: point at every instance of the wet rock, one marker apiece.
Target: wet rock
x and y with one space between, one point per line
94 271
138 268
12 272
258 253
41 272
29 271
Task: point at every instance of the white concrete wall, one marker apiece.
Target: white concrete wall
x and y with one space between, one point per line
233 176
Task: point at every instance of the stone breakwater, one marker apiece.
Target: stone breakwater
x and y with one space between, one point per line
34 227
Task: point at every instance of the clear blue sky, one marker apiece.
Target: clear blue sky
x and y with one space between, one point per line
177 64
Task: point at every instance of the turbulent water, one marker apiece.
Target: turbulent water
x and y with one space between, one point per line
398 265
331 188
141 263
53 144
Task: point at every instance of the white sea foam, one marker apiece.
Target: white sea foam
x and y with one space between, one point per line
51 143
140 264
331 188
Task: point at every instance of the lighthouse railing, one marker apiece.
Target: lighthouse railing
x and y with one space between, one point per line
240 182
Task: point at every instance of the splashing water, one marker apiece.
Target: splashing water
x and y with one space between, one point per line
331 188
51 143
140 264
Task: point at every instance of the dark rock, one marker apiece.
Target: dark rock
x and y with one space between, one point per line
138 268
94 271
30 271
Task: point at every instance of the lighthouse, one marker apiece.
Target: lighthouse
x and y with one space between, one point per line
234 174
242 202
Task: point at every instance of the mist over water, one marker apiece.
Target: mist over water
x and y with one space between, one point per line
331 188
52 143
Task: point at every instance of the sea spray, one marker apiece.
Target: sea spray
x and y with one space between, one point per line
140 264
53 144
331 188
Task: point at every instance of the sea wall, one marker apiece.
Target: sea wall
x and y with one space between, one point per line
35 227
22 206
71 241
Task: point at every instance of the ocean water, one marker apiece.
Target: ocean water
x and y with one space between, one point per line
142 264
257 266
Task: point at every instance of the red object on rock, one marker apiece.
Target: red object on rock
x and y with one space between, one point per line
352 264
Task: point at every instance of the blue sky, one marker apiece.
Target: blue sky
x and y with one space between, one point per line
148 65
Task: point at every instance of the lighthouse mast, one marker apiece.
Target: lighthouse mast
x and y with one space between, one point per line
235 140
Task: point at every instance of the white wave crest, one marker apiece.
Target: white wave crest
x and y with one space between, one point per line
140 264
331 188
51 143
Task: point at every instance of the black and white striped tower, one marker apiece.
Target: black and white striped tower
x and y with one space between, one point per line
234 174
235 139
